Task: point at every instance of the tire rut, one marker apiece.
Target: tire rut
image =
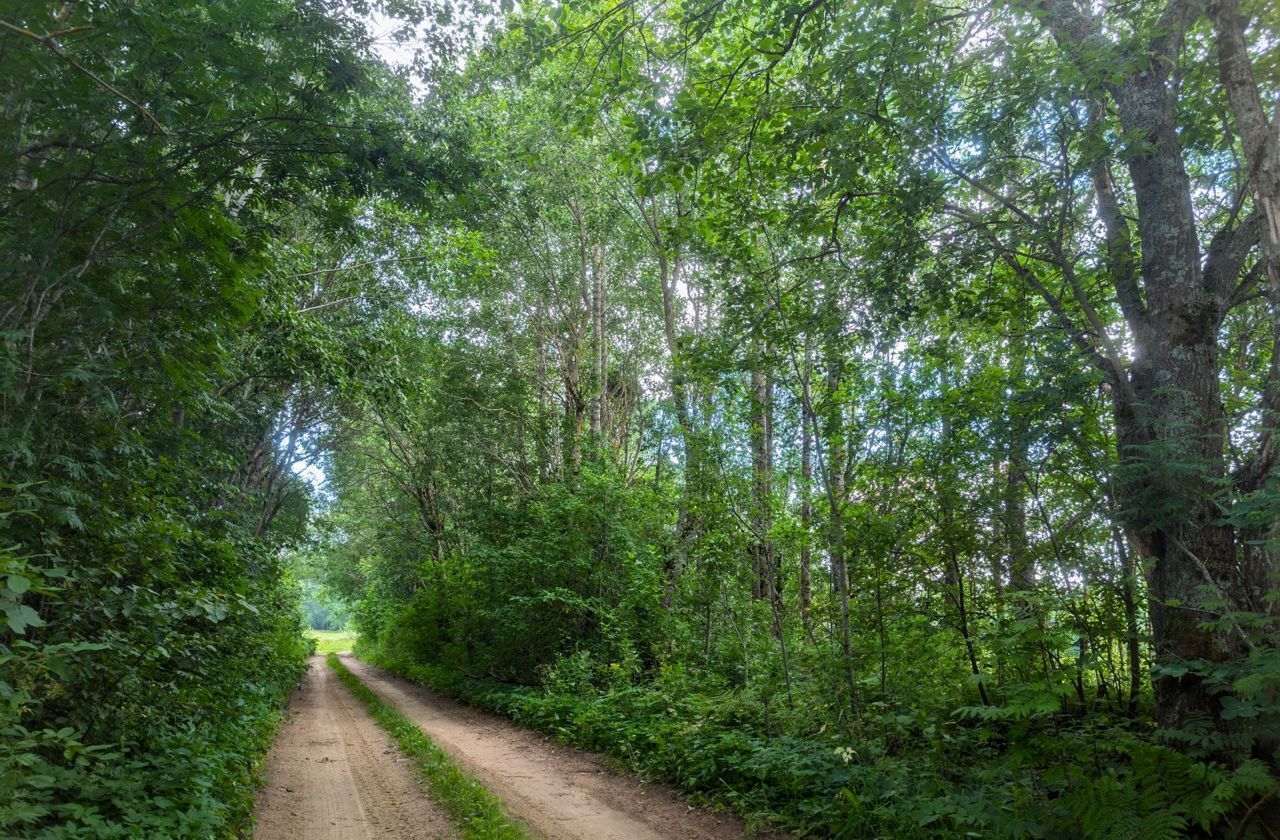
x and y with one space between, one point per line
333 774
559 792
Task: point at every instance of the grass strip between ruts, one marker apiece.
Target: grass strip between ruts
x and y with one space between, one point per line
476 812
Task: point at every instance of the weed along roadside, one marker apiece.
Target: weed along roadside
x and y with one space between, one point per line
366 755
476 812
557 791
334 773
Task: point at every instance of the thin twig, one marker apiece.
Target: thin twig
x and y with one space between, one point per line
51 43
357 265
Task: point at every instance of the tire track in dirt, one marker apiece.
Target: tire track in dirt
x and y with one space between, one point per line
333 774
559 792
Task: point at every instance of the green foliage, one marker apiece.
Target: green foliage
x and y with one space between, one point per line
770 425
185 759
568 569
320 612
178 181
792 401
1058 780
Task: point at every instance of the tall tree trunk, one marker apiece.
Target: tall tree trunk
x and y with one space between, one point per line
1128 597
806 505
836 481
1168 405
952 574
575 407
546 422
764 583
600 348
1170 424
1021 578
686 525
578 402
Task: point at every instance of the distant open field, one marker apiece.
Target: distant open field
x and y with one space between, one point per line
332 641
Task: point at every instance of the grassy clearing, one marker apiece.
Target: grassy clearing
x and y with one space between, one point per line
476 812
332 641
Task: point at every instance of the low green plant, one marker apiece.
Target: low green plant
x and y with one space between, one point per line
905 773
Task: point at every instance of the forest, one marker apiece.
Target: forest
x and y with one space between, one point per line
861 415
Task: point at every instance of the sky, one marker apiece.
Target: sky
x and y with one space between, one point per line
382 28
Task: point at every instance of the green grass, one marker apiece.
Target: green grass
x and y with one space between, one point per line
332 641
476 812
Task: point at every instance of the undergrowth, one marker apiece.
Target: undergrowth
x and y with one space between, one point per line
188 699
901 773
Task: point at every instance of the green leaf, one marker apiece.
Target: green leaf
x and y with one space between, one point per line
20 617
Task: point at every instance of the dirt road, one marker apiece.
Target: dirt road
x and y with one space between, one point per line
561 793
333 774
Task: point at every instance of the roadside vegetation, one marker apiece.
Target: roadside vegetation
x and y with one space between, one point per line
172 176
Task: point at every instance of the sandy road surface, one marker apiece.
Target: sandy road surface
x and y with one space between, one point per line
333 774
561 793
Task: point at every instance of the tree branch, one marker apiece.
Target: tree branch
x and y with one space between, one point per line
50 42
